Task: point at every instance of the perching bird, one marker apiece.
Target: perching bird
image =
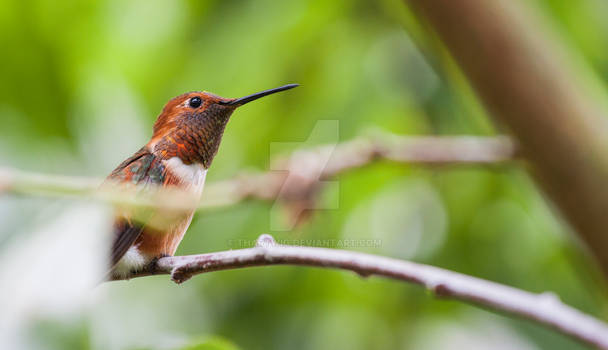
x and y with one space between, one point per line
186 138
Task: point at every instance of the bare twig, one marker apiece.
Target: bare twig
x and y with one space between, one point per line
299 181
291 185
545 309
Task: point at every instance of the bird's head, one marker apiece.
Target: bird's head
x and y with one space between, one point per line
191 125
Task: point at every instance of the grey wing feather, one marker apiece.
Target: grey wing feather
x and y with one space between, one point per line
143 168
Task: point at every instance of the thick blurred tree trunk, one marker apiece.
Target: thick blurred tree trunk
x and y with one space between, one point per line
526 81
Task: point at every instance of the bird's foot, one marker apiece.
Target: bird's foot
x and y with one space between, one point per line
153 265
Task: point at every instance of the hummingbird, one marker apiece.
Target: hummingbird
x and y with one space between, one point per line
186 138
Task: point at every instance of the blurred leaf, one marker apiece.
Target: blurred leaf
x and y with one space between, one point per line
210 343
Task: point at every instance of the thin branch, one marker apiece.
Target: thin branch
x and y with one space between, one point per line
298 182
545 309
292 184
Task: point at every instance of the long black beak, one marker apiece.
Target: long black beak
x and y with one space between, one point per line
241 101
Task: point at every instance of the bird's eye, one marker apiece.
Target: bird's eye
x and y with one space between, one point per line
195 102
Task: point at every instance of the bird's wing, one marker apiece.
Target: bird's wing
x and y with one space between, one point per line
143 170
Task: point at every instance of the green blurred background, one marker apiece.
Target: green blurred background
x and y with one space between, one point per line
83 81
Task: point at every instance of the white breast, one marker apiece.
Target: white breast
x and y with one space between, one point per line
192 174
133 260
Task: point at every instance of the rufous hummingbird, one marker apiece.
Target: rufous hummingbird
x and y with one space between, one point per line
186 138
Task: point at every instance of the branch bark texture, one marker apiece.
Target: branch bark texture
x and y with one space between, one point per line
545 309
526 81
